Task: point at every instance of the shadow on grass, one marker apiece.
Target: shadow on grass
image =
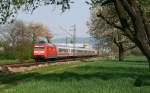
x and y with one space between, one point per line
131 61
98 72
135 61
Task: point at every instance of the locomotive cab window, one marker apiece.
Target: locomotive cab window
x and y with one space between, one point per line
38 47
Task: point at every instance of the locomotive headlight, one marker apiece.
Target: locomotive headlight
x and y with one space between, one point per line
41 51
36 51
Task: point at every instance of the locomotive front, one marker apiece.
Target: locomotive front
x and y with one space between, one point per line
43 50
39 51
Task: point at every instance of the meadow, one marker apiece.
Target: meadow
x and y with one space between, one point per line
97 76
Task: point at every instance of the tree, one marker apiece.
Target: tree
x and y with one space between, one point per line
133 22
10 8
123 44
38 29
106 33
17 38
100 31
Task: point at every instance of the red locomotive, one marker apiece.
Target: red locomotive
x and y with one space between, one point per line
50 51
44 51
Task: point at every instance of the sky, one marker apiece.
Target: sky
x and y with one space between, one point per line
57 22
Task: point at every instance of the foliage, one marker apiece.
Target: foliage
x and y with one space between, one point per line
101 32
145 6
24 51
10 8
108 36
17 39
8 55
133 21
39 30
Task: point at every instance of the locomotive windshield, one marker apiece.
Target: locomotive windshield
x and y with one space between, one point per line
38 47
41 40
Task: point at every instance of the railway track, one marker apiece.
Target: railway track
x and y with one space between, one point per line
20 67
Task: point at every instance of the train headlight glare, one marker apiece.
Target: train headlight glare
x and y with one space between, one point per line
41 51
38 52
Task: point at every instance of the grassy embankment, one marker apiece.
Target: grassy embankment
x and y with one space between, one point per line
103 76
8 62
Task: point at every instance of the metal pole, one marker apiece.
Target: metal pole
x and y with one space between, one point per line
66 41
74 39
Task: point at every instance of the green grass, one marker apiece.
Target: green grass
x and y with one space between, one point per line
2 62
104 76
132 58
8 62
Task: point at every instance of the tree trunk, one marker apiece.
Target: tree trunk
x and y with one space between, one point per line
139 35
147 55
121 52
148 58
117 41
145 49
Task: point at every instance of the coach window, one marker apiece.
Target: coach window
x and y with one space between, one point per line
61 50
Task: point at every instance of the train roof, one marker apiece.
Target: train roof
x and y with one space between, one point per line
77 45
76 48
70 46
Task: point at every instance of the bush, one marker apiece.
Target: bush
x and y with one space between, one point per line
8 55
24 51
21 52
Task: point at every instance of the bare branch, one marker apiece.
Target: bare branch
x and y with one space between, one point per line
129 48
110 23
